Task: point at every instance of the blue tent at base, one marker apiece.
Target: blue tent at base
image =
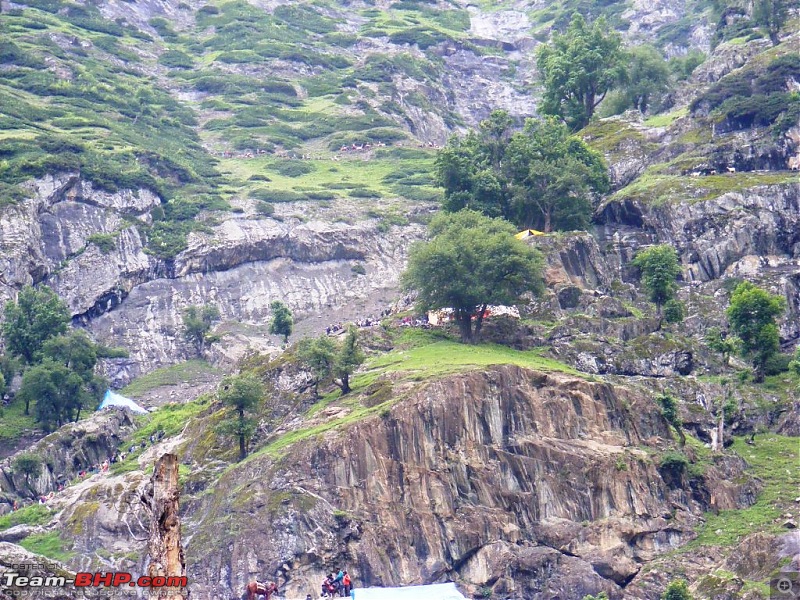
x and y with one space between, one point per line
113 399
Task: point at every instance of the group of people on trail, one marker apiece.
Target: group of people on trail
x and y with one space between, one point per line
338 585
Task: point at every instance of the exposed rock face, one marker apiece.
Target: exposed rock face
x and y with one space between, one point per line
128 298
165 550
506 478
65 453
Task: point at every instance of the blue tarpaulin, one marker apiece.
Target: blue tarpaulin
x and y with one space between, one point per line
113 399
437 591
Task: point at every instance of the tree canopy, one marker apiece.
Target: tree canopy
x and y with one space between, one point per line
470 262
539 177
771 15
197 322
328 360
243 394
752 313
648 77
282 322
659 268
37 315
677 589
579 68
59 393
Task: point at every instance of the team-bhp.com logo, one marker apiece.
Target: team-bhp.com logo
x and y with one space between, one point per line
23 579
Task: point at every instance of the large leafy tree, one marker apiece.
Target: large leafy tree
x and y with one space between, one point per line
242 393
538 177
648 77
579 68
59 393
553 174
79 354
470 169
470 262
282 322
659 268
752 313
37 315
29 465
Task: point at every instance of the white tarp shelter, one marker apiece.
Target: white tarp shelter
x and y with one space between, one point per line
113 399
437 591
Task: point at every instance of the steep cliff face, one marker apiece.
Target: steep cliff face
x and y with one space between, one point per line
129 298
538 486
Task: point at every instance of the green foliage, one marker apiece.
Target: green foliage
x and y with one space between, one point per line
674 311
176 59
682 67
724 344
579 68
674 465
282 322
771 15
670 410
659 268
552 176
49 544
106 242
746 99
752 313
319 356
470 262
348 359
60 393
37 315
28 464
648 78
539 177
243 394
197 322
677 589
600 596
34 514
794 365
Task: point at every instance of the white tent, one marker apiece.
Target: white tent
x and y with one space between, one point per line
437 591
112 399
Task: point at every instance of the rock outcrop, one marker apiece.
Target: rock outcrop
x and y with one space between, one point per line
527 483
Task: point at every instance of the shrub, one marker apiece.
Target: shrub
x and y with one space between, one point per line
105 242
358 269
777 364
175 59
265 208
277 195
674 311
293 168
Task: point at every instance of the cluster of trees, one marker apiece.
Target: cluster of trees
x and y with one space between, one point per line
198 320
582 66
329 361
243 394
540 177
752 312
57 364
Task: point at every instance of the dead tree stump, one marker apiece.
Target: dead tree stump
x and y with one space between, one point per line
164 547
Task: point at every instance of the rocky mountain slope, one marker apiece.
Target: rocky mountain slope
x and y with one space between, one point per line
156 155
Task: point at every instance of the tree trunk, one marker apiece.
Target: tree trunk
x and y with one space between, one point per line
464 320
548 226
27 403
242 447
682 436
164 547
721 430
345 384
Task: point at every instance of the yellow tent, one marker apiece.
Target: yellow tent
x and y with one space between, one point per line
528 233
